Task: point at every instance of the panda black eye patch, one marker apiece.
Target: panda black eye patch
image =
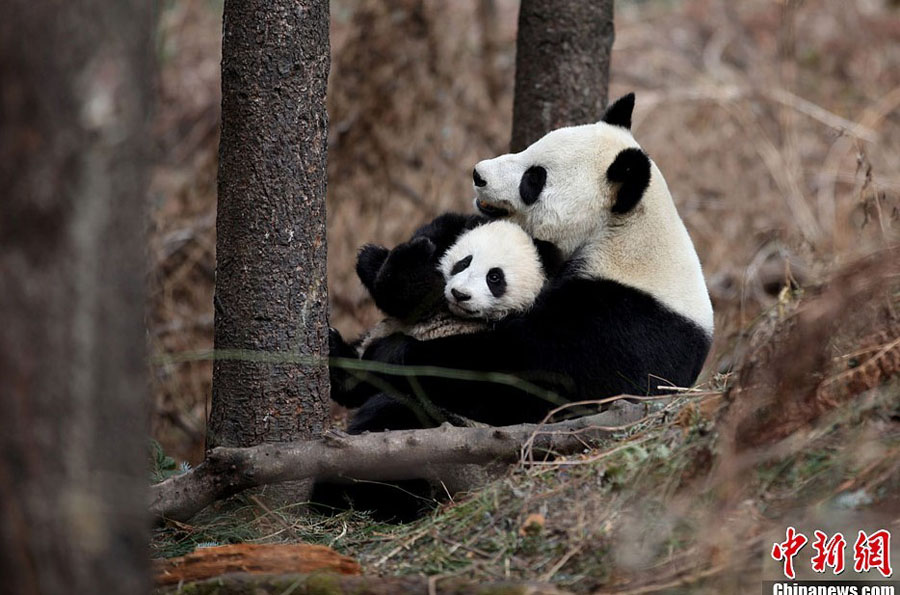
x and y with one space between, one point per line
532 184
461 265
496 281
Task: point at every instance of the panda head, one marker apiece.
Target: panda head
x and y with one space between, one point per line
571 184
492 271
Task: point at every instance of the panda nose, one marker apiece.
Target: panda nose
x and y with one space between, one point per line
479 181
460 296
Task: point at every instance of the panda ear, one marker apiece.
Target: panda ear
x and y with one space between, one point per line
631 170
551 257
619 113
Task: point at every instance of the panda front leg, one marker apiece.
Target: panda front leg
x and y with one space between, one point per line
518 351
348 387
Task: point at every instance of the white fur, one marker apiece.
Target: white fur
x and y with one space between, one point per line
500 244
648 249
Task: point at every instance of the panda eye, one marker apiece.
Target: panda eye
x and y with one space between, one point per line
496 281
461 265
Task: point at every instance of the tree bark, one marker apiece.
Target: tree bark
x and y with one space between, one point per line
74 88
271 294
396 455
562 66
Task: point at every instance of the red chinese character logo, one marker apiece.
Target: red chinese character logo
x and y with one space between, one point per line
829 553
787 549
873 551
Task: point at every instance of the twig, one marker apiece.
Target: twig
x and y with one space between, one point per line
593 459
545 428
545 578
404 545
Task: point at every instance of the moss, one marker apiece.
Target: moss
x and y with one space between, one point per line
323 583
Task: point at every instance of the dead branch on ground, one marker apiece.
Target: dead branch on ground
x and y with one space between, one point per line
376 456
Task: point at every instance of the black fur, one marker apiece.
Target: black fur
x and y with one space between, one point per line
444 229
382 413
552 259
405 282
619 113
584 339
630 169
368 262
532 184
400 501
344 384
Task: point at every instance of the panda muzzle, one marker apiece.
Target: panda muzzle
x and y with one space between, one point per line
491 209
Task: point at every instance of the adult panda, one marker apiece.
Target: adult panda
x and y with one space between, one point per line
629 312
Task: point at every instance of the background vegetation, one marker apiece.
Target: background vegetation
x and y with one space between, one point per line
776 124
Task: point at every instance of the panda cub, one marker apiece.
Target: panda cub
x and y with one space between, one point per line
490 273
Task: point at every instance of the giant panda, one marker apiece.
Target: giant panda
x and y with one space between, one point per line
492 272
628 313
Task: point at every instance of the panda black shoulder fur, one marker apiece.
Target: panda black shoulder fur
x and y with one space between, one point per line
628 313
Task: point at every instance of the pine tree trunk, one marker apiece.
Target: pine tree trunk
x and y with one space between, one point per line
74 88
562 66
271 296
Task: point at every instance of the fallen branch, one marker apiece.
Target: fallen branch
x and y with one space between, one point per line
209 562
375 456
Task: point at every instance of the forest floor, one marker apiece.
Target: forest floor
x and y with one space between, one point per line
777 127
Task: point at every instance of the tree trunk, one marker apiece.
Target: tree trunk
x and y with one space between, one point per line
73 108
562 66
271 295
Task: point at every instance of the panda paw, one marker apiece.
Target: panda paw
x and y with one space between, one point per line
417 251
337 346
409 286
369 261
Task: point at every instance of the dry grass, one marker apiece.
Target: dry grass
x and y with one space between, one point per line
777 125
664 507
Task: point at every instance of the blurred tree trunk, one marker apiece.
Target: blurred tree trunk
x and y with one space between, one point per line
490 48
562 66
271 296
74 88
